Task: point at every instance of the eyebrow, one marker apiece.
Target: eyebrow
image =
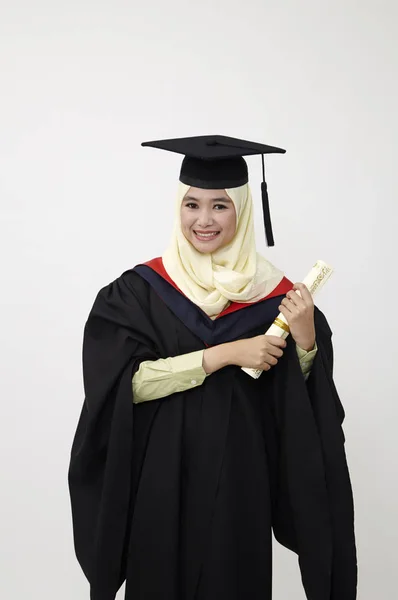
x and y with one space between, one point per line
222 199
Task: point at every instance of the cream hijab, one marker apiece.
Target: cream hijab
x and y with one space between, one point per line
235 272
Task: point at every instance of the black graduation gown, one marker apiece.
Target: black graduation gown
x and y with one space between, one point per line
178 496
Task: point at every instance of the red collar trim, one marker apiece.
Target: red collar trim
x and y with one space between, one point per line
156 264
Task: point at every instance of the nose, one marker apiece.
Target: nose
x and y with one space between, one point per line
205 218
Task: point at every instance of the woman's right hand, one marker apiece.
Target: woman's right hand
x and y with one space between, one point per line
259 352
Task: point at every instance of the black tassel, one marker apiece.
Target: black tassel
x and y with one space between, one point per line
267 217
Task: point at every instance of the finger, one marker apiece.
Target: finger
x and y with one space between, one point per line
296 299
287 309
287 304
275 352
271 360
305 294
276 341
294 308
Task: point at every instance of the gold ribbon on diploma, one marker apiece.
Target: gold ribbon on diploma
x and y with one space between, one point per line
282 325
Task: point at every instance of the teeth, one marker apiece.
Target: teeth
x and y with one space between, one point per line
207 235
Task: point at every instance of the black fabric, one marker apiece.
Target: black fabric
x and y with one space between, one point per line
213 147
211 331
214 174
179 495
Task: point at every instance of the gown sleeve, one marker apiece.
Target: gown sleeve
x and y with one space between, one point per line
118 336
313 509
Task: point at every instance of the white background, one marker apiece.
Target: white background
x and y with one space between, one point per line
83 83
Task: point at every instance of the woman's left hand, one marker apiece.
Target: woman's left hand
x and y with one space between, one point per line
299 313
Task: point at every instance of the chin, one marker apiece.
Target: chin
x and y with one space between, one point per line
206 248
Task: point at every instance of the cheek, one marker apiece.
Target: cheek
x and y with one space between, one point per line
186 221
228 223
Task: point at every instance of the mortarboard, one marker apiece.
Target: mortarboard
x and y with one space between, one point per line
216 162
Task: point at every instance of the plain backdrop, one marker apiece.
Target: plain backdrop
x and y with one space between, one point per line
82 84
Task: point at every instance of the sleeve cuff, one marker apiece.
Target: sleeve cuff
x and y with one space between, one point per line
189 367
306 359
303 354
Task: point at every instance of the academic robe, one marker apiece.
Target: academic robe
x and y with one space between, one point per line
179 496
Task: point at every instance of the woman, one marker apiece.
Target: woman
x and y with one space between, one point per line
182 464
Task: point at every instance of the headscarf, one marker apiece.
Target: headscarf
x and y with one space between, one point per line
234 272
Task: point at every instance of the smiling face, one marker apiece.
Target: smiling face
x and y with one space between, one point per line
208 219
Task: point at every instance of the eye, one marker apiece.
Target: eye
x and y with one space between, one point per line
194 205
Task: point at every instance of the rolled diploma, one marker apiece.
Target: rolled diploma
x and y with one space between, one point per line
314 281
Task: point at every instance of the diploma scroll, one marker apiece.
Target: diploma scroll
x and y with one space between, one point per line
314 281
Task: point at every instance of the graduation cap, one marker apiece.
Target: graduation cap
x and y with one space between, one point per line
216 162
